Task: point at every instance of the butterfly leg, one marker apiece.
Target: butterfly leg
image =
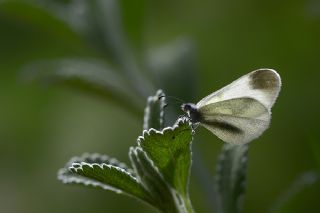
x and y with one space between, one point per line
195 126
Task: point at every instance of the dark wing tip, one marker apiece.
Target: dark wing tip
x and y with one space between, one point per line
265 79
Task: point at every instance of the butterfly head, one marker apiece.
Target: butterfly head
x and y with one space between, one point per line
192 111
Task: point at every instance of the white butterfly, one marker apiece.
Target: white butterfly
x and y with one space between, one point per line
240 111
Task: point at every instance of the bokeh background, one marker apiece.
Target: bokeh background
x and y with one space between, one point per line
189 48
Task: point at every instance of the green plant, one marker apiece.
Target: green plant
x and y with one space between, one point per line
160 168
161 163
111 71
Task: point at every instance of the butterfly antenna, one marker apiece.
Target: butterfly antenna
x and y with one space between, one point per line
178 100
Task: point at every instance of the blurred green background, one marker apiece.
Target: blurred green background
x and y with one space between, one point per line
43 126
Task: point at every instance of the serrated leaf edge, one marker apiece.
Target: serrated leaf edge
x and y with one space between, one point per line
243 172
112 161
77 179
159 94
87 181
135 149
171 190
151 131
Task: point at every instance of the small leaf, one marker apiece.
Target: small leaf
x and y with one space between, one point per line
152 180
170 150
99 159
231 177
89 75
102 173
154 112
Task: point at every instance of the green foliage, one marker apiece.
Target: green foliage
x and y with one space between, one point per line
113 72
154 112
170 150
161 164
231 177
152 180
162 159
54 28
102 172
92 76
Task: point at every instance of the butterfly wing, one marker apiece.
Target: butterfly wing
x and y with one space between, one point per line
262 85
241 111
236 121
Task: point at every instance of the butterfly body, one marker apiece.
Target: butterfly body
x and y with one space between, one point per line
192 111
240 111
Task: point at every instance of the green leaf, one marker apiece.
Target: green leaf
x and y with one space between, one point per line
231 177
106 15
103 172
154 112
152 180
170 150
88 75
98 158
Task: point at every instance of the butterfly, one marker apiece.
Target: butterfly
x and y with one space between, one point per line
240 111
